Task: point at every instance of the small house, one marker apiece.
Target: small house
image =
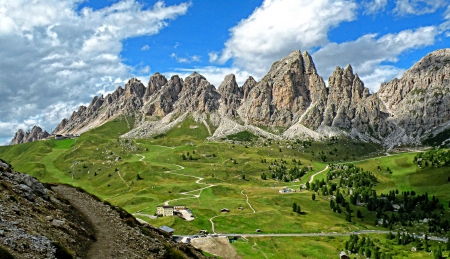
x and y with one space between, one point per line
167 229
164 211
224 210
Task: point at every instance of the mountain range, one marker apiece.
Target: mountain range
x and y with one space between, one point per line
291 101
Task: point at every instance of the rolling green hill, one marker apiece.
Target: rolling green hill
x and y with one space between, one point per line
183 167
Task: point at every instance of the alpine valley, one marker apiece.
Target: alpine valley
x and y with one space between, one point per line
286 167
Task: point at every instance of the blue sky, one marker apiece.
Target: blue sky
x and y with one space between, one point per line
57 54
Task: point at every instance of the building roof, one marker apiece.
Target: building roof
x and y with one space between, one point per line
164 206
167 229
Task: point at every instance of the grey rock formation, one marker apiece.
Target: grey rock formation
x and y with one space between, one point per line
35 134
292 98
230 96
285 93
419 101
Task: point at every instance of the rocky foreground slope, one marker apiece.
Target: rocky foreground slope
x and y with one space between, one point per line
64 222
291 101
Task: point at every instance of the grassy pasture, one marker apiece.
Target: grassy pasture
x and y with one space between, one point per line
407 176
107 166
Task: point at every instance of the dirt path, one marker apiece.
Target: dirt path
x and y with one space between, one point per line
259 250
114 238
199 179
123 180
311 179
242 192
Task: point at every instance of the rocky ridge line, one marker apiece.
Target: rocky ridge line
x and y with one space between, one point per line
35 134
291 99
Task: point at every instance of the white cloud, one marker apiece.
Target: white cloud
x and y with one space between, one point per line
213 56
367 53
280 26
213 74
188 59
51 51
144 70
374 6
381 74
145 47
418 7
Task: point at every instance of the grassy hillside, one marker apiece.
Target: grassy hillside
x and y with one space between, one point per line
182 167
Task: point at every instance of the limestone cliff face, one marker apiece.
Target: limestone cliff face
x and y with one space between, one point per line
419 101
198 95
285 93
231 96
36 133
290 96
102 109
161 102
345 92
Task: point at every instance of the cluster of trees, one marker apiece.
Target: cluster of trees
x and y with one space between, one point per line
351 176
365 246
433 158
406 238
403 208
188 156
411 208
280 171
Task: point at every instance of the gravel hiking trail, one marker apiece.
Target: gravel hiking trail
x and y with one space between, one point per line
112 234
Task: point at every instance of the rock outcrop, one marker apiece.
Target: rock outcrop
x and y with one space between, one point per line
64 222
419 101
231 96
35 134
292 99
285 93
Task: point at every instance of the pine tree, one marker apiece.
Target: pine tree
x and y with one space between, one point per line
294 207
313 197
358 214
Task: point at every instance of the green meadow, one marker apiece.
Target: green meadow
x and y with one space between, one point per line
183 167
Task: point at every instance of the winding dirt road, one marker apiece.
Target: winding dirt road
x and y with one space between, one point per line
311 179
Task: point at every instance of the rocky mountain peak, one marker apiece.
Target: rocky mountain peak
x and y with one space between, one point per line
284 93
292 95
134 87
155 83
310 67
229 86
36 133
195 79
419 100
248 86
198 95
231 95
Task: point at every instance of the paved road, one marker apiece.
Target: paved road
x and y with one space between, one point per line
332 234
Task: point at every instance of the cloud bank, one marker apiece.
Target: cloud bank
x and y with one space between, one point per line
52 55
